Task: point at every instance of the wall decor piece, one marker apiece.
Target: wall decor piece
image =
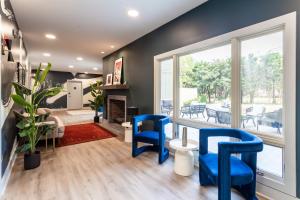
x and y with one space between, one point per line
108 79
118 71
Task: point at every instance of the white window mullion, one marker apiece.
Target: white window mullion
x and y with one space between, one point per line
235 84
176 86
157 86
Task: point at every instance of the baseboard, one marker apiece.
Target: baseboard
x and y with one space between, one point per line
8 170
270 193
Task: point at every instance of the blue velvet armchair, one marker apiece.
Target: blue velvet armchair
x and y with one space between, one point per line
228 171
155 137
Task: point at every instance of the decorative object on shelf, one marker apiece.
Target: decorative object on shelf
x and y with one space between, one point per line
98 100
184 136
29 99
6 45
118 72
108 79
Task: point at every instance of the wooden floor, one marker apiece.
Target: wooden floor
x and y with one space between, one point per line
103 170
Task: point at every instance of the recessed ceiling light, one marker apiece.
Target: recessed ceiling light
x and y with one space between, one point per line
47 54
102 52
79 58
133 13
86 72
50 36
112 46
95 68
71 66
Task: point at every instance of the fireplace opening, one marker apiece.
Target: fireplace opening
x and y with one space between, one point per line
116 109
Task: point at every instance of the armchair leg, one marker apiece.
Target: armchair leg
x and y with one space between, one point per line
204 178
224 190
248 191
134 148
163 155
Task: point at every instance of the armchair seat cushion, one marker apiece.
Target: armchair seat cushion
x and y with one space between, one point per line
240 172
151 137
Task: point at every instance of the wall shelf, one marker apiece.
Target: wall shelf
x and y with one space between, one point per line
114 87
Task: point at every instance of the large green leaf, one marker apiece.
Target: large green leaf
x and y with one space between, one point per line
24 132
50 92
37 75
23 148
22 124
20 100
21 90
45 73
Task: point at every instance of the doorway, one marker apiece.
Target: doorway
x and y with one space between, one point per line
74 99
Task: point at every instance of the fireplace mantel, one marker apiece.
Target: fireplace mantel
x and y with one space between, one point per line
114 87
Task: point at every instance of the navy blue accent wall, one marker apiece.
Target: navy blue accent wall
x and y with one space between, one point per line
211 19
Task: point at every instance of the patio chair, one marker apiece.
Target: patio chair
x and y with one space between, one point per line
198 109
186 110
254 112
166 106
211 114
154 138
226 170
223 117
272 119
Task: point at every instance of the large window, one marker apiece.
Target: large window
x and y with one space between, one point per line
205 82
262 83
244 79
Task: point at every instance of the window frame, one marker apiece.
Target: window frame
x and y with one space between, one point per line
286 23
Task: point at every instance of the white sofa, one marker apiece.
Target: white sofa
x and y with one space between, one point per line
59 123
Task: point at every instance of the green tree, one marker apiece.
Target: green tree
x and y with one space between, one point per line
250 76
273 71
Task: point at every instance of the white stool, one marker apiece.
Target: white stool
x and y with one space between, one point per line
184 157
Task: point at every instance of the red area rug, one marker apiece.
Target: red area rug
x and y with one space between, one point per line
81 133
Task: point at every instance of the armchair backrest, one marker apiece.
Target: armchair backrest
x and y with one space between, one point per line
158 120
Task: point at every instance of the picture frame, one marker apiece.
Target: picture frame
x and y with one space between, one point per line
118 70
108 79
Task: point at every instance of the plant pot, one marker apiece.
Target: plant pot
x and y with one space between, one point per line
96 119
32 160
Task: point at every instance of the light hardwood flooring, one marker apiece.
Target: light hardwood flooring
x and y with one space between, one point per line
104 170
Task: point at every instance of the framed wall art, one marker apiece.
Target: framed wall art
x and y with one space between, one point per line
118 71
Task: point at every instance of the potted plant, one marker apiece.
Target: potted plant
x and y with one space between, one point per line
98 100
29 99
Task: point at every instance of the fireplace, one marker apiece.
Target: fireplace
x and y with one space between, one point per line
116 109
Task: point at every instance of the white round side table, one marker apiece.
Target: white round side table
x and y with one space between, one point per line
184 157
128 131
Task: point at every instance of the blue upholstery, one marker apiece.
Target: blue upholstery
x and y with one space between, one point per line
240 172
151 137
225 170
156 137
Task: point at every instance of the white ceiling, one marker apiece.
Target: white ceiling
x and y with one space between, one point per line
86 27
